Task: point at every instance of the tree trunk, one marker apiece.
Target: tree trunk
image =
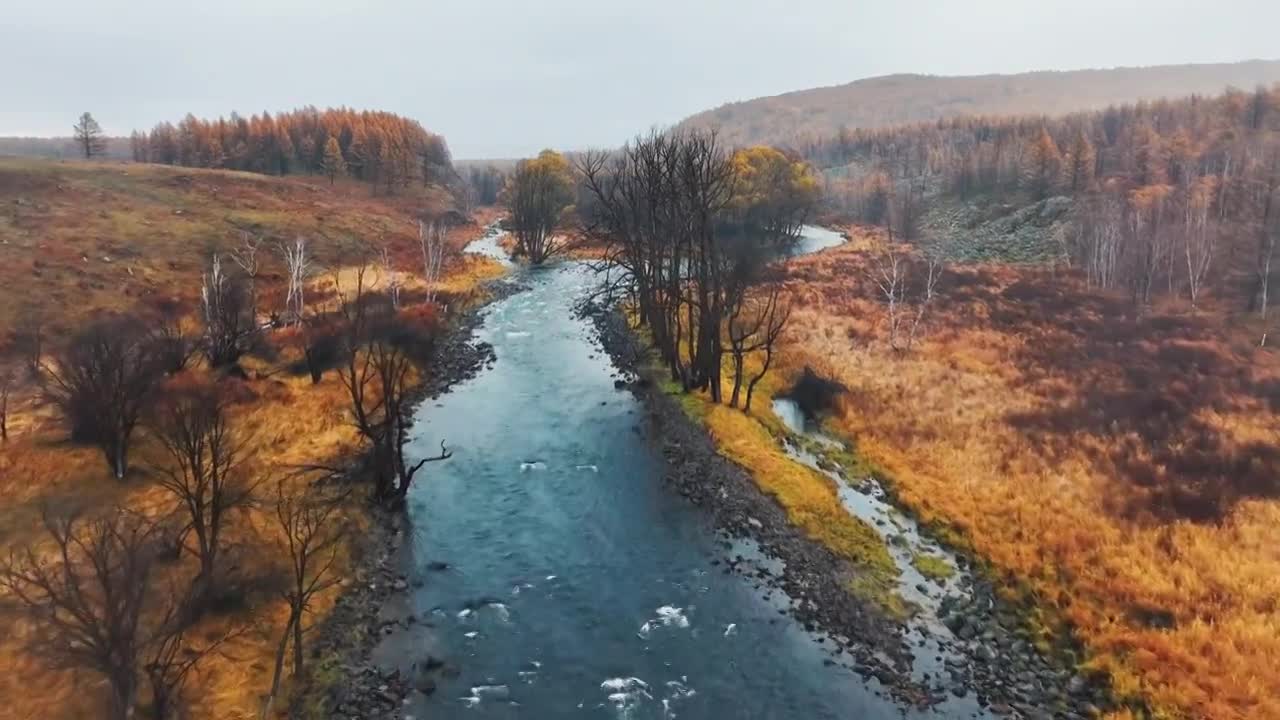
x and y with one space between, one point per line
279 667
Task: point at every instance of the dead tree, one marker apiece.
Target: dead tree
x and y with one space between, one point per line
1199 239
311 536
102 382
378 373
246 256
88 603
206 473
298 265
431 236
222 300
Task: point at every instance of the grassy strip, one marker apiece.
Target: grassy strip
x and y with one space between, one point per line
809 498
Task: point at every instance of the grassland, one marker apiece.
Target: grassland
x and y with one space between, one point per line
1121 468
80 238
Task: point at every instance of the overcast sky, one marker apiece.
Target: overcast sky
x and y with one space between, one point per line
504 78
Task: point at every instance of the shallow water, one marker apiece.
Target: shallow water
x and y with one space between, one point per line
579 586
932 643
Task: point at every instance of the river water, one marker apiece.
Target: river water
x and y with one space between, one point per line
577 585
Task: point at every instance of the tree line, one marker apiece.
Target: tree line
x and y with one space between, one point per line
387 151
1159 189
107 601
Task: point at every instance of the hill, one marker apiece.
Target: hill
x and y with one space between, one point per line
791 118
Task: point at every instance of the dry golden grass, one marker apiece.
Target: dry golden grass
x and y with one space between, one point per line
70 210
1123 470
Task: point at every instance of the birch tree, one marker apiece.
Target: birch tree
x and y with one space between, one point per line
431 237
298 266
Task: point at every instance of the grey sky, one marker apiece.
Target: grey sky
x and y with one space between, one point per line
503 78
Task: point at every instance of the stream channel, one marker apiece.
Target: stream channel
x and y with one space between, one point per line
559 577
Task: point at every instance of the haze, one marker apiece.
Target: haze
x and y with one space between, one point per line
505 78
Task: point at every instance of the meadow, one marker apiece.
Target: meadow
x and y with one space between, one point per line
1118 469
78 239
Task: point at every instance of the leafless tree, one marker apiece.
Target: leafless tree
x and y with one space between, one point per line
174 347
88 603
431 236
1199 238
394 283
222 301
206 471
378 373
172 656
7 382
27 337
102 382
311 535
905 306
298 265
754 327
246 256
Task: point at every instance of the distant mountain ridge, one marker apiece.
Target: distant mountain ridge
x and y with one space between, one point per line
802 115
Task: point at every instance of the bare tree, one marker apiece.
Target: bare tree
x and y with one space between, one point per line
173 345
7 382
299 265
905 306
755 327
378 373
394 284
431 236
311 535
27 337
172 657
246 256
102 382
88 604
206 472
222 301
1199 239
88 136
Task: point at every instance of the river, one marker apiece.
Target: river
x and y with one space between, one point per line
577 585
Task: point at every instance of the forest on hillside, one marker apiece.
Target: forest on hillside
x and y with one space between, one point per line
797 118
1172 197
387 151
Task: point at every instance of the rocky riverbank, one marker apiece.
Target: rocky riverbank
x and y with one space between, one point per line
861 637
345 679
994 657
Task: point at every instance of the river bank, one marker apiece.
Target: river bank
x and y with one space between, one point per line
981 646
344 679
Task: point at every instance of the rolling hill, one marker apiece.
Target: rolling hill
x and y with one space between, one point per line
895 99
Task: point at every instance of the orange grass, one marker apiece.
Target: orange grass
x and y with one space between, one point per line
69 211
1123 469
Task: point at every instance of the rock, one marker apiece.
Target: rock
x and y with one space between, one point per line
1077 685
437 566
985 653
754 523
400 585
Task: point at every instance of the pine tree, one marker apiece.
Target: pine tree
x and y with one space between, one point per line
1080 161
1043 165
332 162
88 136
